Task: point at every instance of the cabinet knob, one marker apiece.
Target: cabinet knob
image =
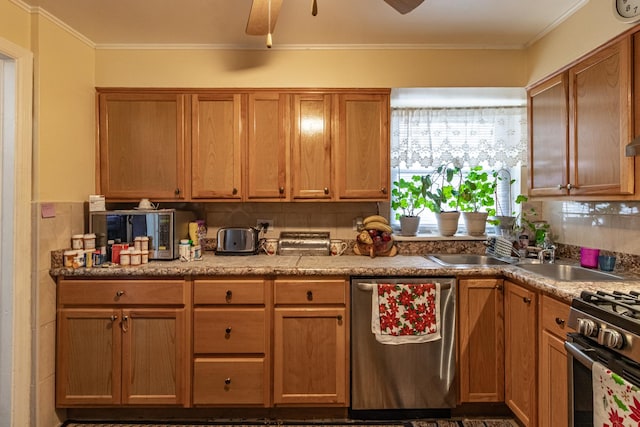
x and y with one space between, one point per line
114 318
227 381
561 187
560 321
526 300
227 331
498 287
228 295
281 190
119 293
569 186
383 190
309 296
326 190
339 317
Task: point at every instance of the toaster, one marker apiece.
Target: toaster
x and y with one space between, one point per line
237 241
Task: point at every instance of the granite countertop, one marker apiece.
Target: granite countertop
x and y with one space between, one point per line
401 265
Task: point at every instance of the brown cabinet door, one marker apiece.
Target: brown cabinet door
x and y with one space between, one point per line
481 340
520 352
88 357
310 356
362 147
216 146
266 173
154 357
548 137
600 121
553 409
311 147
142 145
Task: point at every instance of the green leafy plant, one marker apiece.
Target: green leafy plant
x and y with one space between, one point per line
443 188
409 196
477 191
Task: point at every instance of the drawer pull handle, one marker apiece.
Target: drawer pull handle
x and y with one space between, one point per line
227 381
383 190
326 190
119 293
560 321
526 300
281 190
228 330
309 296
228 295
125 323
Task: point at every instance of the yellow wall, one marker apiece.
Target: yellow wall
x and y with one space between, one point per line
589 27
310 68
14 23
64 150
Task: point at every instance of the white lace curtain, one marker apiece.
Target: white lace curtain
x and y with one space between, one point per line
424 137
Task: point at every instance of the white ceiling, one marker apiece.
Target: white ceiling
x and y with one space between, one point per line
510 24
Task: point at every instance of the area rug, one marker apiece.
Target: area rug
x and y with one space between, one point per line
419 423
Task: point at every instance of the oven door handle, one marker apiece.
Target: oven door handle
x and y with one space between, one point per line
579 353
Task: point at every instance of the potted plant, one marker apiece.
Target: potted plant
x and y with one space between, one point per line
442 189
476 199
408 196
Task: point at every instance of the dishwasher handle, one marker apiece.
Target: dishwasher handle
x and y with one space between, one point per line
368 287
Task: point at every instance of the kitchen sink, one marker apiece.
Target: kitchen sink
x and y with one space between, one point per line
563 272
465 259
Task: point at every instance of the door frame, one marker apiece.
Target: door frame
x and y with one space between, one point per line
16 221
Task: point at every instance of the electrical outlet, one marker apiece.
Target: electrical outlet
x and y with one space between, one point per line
357 222
268 222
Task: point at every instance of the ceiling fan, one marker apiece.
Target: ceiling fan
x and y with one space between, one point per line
264 14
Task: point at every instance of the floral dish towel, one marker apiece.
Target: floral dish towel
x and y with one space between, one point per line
406 313
616 402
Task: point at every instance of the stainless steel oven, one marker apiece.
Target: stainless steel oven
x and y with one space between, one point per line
608 332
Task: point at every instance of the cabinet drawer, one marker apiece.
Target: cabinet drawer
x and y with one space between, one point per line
228 292
121 292
310 292
229 330
554 316
229 381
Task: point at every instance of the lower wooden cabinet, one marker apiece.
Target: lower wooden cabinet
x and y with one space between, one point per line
121 343
481 340
520 352
553 410
231 336
311 356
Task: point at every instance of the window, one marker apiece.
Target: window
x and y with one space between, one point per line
492 137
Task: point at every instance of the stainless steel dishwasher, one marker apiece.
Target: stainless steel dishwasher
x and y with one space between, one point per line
405 376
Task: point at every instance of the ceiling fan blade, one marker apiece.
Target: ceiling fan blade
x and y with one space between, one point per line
258 23
404 6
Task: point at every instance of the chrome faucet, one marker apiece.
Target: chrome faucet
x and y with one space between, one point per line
548 249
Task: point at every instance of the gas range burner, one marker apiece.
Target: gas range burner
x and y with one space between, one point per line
623 304
612 319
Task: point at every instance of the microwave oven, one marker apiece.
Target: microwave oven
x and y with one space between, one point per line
164 227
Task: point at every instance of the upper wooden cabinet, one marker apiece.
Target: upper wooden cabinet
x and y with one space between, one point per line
217 146
244 145
311 147
362 149
579 123
266 171
141 145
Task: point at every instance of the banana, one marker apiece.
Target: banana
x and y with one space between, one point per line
364 237
376 225
375 218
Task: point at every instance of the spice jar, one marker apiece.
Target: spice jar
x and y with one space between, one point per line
77 241
125 258
144 243
135 257
68 257
89 241
144 257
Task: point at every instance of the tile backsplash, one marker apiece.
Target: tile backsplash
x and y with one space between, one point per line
610 226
